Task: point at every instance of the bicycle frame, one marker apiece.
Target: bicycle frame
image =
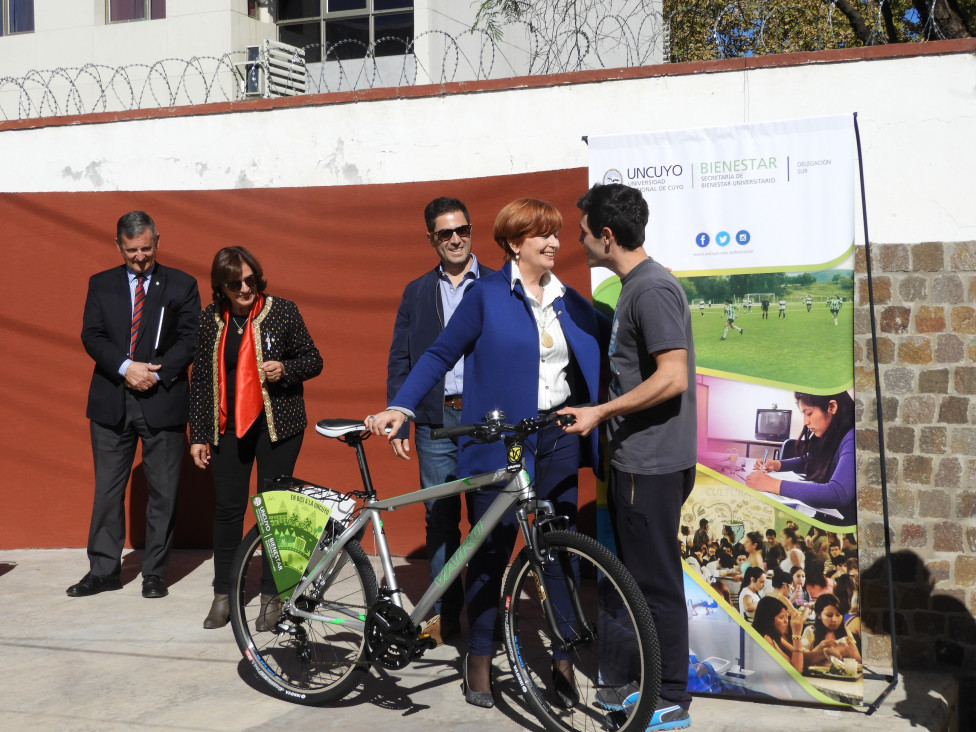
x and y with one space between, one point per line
517 490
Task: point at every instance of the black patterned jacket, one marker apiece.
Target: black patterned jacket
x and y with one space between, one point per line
279 335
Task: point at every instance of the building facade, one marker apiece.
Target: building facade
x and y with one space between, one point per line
60 57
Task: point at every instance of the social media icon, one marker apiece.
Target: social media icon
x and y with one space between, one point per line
702 239
722 238
742 237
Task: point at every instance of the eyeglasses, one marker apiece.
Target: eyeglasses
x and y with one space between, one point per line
235 285
445 235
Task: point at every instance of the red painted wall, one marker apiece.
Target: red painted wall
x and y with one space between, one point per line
342 253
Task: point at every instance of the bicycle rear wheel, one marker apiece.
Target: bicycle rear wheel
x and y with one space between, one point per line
609 633
299 660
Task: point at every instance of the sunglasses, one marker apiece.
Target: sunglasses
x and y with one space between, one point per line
235 285
445 235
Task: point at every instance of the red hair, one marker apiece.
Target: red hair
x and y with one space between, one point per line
523 218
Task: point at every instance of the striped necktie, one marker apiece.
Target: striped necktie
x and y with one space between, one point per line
137 303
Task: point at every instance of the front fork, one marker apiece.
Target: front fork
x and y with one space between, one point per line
539 556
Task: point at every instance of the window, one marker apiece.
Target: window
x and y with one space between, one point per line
123 10
18 17
386 23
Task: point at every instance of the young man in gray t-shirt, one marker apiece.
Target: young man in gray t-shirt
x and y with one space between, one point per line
651 424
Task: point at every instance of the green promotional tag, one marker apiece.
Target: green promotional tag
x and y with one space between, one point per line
290 525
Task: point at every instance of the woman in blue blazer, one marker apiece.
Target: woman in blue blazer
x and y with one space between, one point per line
531 346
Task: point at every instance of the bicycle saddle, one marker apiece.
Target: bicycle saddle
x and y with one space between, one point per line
339 427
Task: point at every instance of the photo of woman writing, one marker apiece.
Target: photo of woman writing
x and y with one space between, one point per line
825 455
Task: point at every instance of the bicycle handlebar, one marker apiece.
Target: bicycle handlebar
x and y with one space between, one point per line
493 428
461 430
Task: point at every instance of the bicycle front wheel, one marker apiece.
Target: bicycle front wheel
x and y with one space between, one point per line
586 621
300 660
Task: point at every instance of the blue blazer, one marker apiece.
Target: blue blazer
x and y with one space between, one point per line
496 332
419 320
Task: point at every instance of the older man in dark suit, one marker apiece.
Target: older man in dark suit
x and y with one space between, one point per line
139 327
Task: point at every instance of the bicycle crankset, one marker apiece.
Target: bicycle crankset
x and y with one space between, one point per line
392 639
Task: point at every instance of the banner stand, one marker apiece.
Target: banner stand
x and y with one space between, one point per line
731 192
893 678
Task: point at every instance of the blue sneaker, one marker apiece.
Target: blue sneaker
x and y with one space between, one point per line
616 698
668 716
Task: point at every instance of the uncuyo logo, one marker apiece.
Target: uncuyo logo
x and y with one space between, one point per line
613 176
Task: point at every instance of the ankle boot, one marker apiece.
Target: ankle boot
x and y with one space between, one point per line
219 612
270 610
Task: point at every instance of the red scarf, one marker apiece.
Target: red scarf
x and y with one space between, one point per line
248 399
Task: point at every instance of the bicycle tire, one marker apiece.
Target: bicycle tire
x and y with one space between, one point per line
622 649
310 662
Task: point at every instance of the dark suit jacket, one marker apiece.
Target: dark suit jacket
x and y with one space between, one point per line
419 320
105 335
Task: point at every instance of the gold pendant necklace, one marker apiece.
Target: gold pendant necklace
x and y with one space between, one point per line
544 335
240 328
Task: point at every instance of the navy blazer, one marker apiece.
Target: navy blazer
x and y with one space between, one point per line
419 320
105 335
496 332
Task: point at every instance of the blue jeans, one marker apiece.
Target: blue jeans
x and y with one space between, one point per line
438 464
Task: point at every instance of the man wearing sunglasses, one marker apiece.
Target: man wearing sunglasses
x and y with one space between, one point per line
427 305
140 328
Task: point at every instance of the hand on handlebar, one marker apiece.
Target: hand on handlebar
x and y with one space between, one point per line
386 424
587 419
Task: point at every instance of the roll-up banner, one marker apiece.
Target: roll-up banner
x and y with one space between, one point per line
757 223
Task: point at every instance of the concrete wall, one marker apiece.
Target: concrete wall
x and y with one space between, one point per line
330 190
915 114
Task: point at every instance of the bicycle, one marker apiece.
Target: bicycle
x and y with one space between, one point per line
564 591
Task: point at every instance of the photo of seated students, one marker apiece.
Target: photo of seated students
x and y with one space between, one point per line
817 584
782 586
792 548
753 581
798 591
752 543
835 557
825 457
829 637
781 629
848 595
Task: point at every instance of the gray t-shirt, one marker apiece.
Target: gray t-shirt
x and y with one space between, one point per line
652 315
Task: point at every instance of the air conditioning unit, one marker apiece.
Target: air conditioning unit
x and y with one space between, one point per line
272 69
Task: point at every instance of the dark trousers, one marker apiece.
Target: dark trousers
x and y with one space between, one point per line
231 461
114 449
645 513
556 480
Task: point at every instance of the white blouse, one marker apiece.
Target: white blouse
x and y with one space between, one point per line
554 357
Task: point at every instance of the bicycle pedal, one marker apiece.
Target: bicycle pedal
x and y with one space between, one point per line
424 643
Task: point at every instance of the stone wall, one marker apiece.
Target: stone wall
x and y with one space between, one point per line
925 311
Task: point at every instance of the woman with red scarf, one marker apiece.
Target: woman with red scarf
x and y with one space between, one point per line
246 404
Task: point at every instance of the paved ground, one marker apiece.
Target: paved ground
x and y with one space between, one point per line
117 661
